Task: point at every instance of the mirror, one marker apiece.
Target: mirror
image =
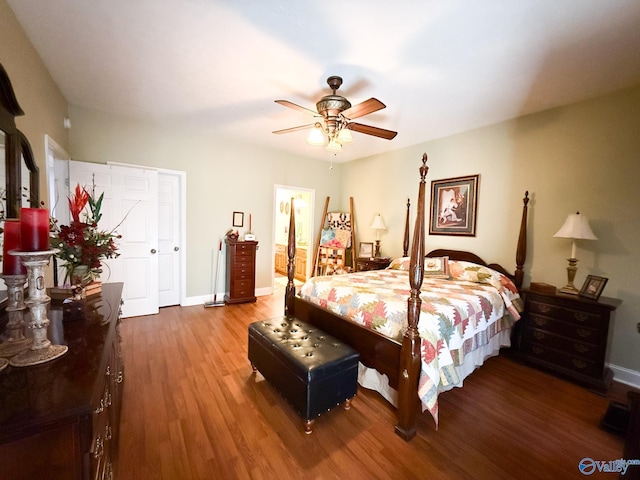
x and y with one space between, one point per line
19 179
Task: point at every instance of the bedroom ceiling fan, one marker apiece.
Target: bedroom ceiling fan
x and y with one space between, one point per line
336 114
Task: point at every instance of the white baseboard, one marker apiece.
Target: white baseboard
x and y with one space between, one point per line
626 376
202 299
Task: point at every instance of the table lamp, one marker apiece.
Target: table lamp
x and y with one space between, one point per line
576 227
377 225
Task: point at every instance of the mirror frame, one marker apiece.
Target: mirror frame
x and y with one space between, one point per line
17 148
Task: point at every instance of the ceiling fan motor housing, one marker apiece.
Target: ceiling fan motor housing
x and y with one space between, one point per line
330 107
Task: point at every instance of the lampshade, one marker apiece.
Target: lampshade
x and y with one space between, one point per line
344 136
333 146
316 137
378 223
576 226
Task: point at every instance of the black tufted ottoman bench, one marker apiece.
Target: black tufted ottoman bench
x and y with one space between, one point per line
313 371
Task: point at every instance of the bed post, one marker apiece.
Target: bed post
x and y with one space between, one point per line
410 353
405 244
521 250
290 291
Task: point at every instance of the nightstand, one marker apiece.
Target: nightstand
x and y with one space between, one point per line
567 335
364 264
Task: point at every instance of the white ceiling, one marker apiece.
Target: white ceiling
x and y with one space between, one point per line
440 66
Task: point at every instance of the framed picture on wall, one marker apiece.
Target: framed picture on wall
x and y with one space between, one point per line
454 202
238 219
593 287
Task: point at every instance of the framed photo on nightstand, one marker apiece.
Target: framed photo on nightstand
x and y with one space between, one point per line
593 287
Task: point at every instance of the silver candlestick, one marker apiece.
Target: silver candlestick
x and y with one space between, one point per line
16 341
42 350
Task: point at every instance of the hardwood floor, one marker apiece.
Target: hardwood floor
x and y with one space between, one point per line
193 409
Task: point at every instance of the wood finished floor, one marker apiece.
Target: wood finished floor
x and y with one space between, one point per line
193 409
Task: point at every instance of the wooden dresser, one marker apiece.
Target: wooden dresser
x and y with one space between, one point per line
567 335
241 271
59 420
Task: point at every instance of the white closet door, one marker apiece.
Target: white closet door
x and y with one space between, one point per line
131 198
169 241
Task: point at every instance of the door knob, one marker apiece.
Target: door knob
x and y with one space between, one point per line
153 250
175 249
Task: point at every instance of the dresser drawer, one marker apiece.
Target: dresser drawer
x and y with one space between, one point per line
559 327
574 347
557 358
587 318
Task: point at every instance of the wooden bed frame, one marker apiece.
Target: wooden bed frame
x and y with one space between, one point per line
399 361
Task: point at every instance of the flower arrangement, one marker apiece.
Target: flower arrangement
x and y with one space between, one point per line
83 246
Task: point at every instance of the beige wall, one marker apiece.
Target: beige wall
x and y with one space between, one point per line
582 157
42 102
222 177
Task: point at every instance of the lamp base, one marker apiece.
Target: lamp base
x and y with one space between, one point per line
377 249
571 274
570 289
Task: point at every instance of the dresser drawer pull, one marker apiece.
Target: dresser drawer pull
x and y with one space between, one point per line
539 335
537 350
583 332
120 377
544 308
99 448
107 432
100 409
541 322
580 347
578 363
107 372
581 316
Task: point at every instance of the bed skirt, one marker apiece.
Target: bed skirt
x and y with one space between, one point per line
371 379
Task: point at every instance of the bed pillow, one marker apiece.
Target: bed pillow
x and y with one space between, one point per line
436 267
472 272
401 263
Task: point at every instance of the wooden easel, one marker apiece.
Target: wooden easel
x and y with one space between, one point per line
323 222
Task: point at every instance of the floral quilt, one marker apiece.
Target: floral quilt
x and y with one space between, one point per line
459 313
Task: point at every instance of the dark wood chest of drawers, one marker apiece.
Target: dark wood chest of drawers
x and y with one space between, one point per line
567 334
241 271
60 420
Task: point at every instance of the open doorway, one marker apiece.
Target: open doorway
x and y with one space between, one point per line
304 204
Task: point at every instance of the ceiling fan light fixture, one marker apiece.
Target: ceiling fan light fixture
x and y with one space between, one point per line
316 137
344 136
334 146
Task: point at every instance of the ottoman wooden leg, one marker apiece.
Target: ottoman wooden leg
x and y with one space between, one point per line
347 404
308 426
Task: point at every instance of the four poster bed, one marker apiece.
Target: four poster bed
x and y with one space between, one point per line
411 350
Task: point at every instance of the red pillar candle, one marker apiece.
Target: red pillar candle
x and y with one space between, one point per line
34 229
12 265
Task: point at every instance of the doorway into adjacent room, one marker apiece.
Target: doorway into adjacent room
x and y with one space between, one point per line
304 200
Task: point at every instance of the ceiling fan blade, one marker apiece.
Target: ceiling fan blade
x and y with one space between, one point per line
287 103
369 130
295 129
364 108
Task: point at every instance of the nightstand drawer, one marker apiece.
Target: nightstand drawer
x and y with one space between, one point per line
593 319
565 329
544 338
561 359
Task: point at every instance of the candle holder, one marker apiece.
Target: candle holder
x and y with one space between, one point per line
42 350
16 341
